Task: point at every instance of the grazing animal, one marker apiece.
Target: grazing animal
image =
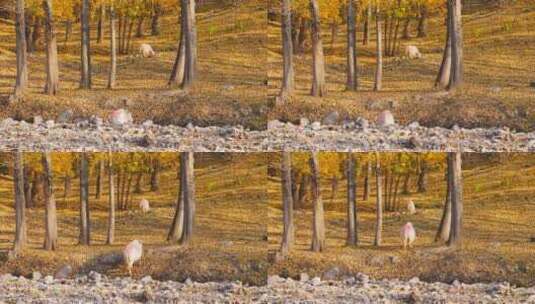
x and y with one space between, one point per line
132 253
144 206
411 208
408 235
412 52
146 51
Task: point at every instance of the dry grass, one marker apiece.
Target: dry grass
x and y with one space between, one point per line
231 87
498 224
497 54
229 241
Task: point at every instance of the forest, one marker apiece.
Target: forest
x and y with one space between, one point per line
203 218
441 63
334 214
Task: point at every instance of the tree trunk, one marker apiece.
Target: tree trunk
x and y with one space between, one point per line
288 234
155 176
456 199
52 69
295 186
300 47
68 31
177 226
379 53
36 34
368 17
27 186
85 79
456 36
406 183
407 28
395 204
379 204
334 188
352 68
366 195
138 188
20 210
100 179
111 201
395 40
318 67
139 27
100 24
287 50
21 81
187 163
422 177
113 50
318 224
37 189
122 200
129 38
84 238
190 30
422 22
385 185
303 187
128 198
352 233
66 186
155 20
51 235
119 181
443 233
443 77
177 74
334 33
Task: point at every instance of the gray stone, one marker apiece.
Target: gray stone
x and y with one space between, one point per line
315 281
331 274
315 126
65 117
36 275
146 279
331 118
63 272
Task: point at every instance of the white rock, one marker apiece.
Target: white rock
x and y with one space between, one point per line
120 117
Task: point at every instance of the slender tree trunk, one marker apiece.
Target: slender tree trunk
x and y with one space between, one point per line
288 234
85 79
20 210
119 180
366 195
100 24
177 74
395 40
111 201
139 27
318 67
52 69
352 68
367 20
334 34
84 237
155 176
406 183
68 31
100 179
189 196
138 188
295 185
456 199
422 22
51 222
407 28
66 187
190 30
37 189
443 233
443 77
303 187
318 224
120 33
124 178
21 81
113 50
456 36
395 204
300 47
177 226
128 199
155 20
351 239
422 177
129 37
36 34
334 188
287 50
27 186
379 205
379 53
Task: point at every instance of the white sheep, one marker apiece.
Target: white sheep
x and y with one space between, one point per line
144 206
412 52
408 235
132 253
146 51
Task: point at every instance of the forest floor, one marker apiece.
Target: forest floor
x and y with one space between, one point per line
499 67
230 90
497 239
229 243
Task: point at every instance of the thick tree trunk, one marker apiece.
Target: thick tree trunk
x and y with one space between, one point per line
352 236
318 223
110 238
288 234
84 238
177 226
21 81
177 74
188 165
352 83
190 31
456 36
379 204
443 233
100 24
20 210
378 84
443 77
287 50
318 66
456 199
366 195
85 56
52 69
113 50
51 222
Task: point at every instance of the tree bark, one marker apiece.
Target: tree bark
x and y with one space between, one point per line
177 226
138 188
379 204
51 222
318 66
100 179
110 239
368 17
155 20
27 186
188 165
287 50
422 177
177 74
407 28
84 237
366 195
85 79
288 234
318 224
21 80
422 22
20 210
378 84
352 223
139 27
456 36
443 77
113 50
190 30
352 83
52 69
300 47
456 199
100 24
443 233
155 176
303 187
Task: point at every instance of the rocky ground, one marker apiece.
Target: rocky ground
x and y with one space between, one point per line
97 288
95 134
